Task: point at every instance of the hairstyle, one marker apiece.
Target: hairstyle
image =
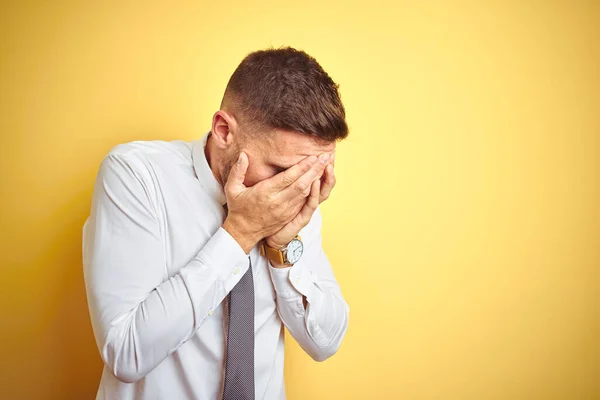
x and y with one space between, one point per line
285 89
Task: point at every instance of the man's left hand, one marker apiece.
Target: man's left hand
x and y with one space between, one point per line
319 192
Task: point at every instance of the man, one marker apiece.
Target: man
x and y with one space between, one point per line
197 254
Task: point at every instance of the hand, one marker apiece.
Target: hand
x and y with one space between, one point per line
320 191
263 209
328 179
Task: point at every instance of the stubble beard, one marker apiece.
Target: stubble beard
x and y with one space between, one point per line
228 166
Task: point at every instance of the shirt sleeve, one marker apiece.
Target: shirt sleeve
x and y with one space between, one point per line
320 328
139 314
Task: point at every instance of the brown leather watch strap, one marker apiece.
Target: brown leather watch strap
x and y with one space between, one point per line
275 255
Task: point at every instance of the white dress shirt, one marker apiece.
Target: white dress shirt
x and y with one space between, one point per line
158 265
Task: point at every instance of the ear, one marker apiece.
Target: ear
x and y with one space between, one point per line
223 127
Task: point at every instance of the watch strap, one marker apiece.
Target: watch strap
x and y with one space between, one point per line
275 255
272 254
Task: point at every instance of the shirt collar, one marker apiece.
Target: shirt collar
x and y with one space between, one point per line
205 175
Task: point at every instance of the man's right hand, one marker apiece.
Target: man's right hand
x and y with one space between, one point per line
263 209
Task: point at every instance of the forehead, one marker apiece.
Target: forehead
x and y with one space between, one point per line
291 147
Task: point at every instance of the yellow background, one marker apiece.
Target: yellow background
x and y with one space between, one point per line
465 225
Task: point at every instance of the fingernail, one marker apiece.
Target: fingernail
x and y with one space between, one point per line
239 161
312 160
324 158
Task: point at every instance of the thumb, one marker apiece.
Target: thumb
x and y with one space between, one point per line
237 175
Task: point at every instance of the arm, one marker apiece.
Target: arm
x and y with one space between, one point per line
320 327
140 315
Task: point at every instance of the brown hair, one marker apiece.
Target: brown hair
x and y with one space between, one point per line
285 89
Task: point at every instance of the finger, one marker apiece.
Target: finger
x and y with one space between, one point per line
290 175
302 186
328 184
312 202
237 175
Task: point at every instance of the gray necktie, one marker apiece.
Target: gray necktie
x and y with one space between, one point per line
239 359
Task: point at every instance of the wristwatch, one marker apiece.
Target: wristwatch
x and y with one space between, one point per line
289 255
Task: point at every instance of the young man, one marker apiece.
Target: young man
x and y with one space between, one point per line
197 254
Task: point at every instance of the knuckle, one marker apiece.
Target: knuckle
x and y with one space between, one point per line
272 204
301 188
288 180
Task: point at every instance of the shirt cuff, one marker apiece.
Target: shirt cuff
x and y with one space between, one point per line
294 281
224 257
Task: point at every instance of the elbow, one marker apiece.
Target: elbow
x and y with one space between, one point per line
124 362
124 370
126 374
325 346
322 354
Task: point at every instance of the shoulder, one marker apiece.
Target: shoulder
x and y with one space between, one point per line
142 157
153 150
131 168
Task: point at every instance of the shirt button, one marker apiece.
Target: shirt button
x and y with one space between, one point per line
210 313
236 271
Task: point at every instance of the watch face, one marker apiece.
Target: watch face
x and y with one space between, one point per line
294 251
